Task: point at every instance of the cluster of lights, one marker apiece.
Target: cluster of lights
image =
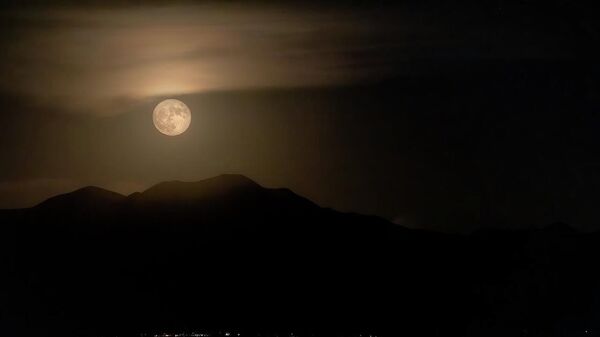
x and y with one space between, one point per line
227 334
196 334
192 334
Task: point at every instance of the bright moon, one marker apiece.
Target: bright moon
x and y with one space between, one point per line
172 117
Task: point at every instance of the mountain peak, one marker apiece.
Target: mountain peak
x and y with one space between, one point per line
232 180
89 195
219 185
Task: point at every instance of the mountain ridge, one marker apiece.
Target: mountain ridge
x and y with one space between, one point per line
95 193
88 195
239 254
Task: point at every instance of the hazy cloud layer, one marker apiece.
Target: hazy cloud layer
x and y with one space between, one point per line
104 59
99 60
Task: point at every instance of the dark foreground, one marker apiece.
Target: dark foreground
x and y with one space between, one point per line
226 253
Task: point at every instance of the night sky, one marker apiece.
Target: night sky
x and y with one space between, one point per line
428 113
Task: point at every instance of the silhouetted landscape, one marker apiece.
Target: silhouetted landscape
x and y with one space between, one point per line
227 253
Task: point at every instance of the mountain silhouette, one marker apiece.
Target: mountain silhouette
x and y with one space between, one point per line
226 206
222 185
227 252
86 198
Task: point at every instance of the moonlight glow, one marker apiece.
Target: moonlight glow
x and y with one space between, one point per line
172 117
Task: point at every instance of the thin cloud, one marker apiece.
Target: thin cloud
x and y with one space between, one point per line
92 60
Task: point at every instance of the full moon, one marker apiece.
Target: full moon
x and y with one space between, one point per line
172 117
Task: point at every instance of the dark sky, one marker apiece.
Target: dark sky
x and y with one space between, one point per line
431 114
